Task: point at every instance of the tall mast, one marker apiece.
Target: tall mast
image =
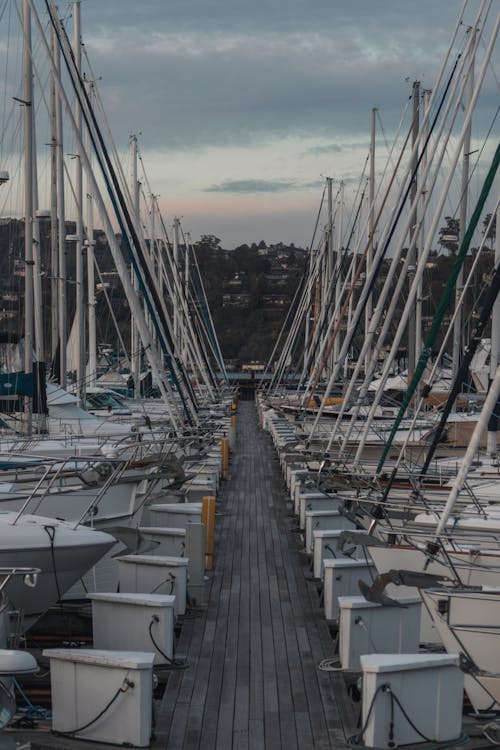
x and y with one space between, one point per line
421 222
61 286
91 302
135 348
54 261
371 229
37 267
457 327
38 366
176 277
155 253
493 424
413 256
28 205
330 265
338 265
186 296
79 312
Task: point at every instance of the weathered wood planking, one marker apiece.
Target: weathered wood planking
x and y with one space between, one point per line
253 680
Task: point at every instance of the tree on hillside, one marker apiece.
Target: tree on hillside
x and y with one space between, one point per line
491 233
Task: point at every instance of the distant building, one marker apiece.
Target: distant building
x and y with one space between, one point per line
274 300
242 299
253 366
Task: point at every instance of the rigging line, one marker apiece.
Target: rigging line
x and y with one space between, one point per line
192 322
280 370
391 150
116 199
330 299
326 304
317 218
102 111
491 295
108 300
202 299
359 268
431 336
474 166
395 221
301 298
123 217
360 187
427 245
298 293
490 65
432 374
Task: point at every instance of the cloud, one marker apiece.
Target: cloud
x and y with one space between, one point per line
257 186
254 102
210 72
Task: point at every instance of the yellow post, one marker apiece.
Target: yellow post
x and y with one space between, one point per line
224 445
208 519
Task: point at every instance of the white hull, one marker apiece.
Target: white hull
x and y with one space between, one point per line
469 622
61 551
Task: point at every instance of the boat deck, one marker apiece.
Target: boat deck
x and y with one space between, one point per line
253 680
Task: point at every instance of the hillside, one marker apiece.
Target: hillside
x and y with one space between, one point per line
249 290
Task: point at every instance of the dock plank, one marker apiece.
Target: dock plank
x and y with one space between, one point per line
254 680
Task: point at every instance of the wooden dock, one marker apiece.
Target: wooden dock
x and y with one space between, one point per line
253 679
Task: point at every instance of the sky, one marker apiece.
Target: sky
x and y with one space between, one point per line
243 107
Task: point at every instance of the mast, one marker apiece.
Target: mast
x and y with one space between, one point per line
338 266
135 349
371 230
91 301
413 255
154 253
38 365
176 277
186 297
61 286
28 205
493 424
54 264
464 191
79 312
329 256
421 223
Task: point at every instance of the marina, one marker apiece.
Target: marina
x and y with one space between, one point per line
249 498
254 647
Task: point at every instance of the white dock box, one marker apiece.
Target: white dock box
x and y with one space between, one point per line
169 541
84 681
366 628
174 515
341 578
196 490
309 500
141 622
326 547
429 687
155 574
315 520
